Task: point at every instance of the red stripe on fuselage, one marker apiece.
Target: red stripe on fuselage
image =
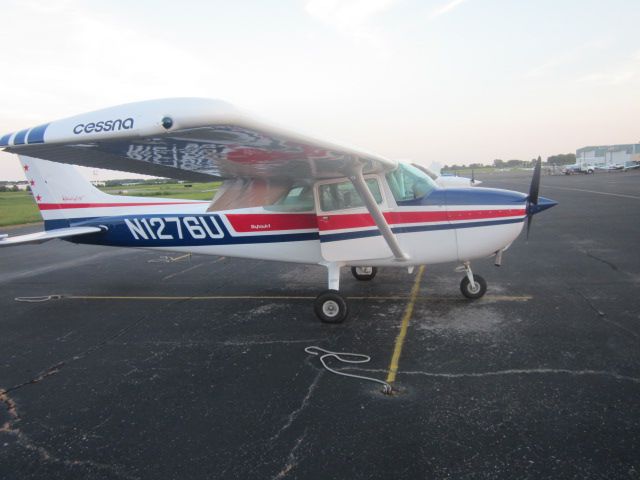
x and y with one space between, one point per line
258 222
64 206
362 220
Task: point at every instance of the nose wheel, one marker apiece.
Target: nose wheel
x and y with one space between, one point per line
472 286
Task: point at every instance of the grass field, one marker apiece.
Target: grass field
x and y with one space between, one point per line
19 207
191 191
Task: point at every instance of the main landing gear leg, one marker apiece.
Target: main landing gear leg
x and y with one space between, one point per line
330 306
472 286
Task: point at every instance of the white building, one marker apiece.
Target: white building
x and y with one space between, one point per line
604 155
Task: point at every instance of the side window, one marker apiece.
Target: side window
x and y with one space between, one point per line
408 183
342 196
298 199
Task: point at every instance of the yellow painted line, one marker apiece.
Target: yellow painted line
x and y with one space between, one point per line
206 297
175 259
408 312
193 267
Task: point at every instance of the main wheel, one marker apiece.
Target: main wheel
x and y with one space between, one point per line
364 273
473 293
331 307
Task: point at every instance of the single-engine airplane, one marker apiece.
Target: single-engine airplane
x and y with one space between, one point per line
284 196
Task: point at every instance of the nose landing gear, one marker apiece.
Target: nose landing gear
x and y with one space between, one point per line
472 286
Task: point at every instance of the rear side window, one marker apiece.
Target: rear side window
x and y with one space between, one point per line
298 199
342 196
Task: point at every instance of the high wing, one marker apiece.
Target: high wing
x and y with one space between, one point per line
188 139
40 237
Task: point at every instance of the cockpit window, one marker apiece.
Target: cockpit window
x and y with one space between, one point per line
342 196
408 183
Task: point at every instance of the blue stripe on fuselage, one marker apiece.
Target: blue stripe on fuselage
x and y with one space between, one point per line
119 234
452 197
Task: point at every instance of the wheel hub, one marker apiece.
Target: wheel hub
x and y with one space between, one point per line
330 308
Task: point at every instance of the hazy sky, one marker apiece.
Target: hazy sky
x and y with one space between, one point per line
449 81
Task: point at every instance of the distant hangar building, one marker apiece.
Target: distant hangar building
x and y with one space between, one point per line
605 155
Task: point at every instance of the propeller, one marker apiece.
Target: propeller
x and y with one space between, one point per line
534 189
473 177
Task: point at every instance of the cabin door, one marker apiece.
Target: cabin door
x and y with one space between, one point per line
347 230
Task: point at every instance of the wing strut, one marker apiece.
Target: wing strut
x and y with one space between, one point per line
360 185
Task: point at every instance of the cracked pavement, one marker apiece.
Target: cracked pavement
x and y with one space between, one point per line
539 381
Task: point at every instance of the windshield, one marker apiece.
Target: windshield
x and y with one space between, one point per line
408 183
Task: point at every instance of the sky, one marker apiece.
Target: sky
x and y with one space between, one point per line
446 81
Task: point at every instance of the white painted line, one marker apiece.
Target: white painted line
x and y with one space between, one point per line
621 195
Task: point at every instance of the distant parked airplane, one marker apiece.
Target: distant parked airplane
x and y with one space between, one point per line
448 180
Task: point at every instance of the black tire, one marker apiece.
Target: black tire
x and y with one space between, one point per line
363 276
481 287
331 307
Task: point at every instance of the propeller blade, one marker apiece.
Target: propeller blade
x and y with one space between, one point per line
473 176
534 189
535 183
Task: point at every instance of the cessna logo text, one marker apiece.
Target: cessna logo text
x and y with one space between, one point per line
104 126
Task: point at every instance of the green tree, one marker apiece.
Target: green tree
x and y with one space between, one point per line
562 159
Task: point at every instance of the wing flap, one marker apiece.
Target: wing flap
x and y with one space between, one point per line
40 237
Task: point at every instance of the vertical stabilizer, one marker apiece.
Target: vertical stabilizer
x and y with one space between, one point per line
66 198
56 185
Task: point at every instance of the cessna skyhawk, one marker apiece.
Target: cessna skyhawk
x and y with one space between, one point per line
284 196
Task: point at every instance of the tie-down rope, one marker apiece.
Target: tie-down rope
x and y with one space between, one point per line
345 357
44 298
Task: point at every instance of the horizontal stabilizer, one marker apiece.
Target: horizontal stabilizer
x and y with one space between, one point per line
40 237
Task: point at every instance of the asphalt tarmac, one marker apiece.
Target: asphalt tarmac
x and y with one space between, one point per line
173 367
